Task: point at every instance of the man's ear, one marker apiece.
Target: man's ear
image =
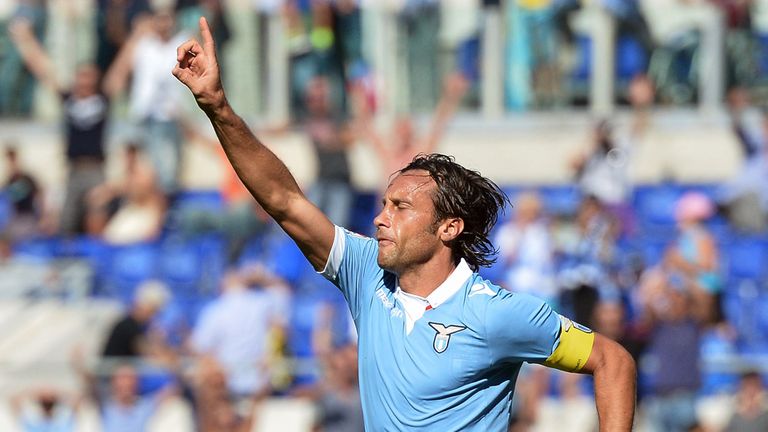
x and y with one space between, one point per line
450 229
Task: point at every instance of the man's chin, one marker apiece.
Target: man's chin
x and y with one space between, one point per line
384 263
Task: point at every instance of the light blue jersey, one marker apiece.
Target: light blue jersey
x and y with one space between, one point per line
447 362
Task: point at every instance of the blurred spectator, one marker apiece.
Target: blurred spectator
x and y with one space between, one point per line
745 196
694 255
331 139
747 122
675 314
741 61
630 20
603 171
751 414
347 18
131 337
402 144
241 220
610 320
530 390
215 409
526 250
587 258
114 23
86 111
45 410
235 330
323 39
155 97
678 302
132 210
23 193
338 400
418 46
17 84
121 407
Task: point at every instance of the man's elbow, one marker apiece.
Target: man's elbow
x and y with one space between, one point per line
612 358
627 364
619 362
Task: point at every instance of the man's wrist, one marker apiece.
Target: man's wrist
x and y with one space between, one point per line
219 110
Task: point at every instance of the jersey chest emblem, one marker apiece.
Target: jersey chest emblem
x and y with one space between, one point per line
443 335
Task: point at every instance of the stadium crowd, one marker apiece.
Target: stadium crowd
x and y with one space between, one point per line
221 310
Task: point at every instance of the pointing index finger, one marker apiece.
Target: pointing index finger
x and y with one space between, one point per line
205 33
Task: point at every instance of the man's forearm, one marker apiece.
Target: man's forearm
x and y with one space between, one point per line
615 382
263 173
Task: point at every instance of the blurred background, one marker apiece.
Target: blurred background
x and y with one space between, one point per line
141 288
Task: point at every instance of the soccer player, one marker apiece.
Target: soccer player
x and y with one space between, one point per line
439 347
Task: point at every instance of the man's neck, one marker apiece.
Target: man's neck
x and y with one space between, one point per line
422 280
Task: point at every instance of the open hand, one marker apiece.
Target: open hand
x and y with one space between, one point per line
198 69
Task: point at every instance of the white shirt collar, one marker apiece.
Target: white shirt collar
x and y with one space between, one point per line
448 288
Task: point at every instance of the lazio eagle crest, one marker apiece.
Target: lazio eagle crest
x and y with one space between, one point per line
443 335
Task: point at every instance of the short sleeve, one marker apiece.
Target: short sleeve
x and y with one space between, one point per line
204 335
279 306
352 265
521 327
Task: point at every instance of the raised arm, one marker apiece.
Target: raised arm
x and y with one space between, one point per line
116 77
453 90
265 176
615 378
34 55
364 123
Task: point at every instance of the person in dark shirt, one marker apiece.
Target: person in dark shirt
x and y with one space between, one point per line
331 139
86 111
23 194
130 336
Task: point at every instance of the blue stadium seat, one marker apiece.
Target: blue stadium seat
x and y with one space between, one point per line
181 266
716 352
212 250
742 304
5 211
583 69
38 250
631 59
762 54
560 200
128 267
364 208
199 199
495 273
747 258
656 204
653 250
285 259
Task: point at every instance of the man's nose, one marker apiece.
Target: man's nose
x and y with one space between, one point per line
381 219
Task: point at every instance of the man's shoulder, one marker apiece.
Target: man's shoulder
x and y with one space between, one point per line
505 305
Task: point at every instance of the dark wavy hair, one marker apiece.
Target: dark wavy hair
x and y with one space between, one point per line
464 194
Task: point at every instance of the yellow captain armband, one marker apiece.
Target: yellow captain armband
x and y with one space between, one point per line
575 346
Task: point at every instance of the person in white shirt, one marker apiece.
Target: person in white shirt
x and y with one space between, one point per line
526 248
155 97
235 330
